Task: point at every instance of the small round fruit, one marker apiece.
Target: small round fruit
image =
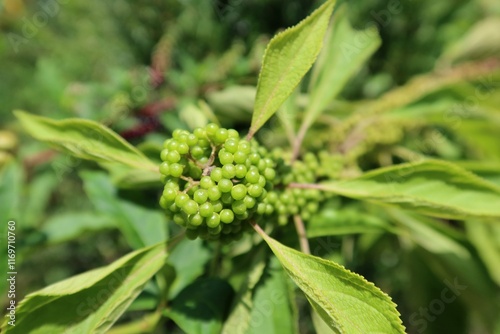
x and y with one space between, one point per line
214 220
191 207
239 192
206 209
225 185
226 216
200 196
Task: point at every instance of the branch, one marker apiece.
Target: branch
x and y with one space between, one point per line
301 233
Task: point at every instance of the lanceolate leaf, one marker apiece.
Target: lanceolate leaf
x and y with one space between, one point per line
85 139
432 187
344 300
287 59
90 302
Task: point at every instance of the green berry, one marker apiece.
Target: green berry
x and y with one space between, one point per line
169 194
249 202
240 171
165 168
225 157
254 158
183 148
252 176
231 145
226 198
173 156
269 174
191 207
206 182
231 133
176 169
214 220
255 190
199 133
240 157
225 185
239 192
195 220
163 155
181 200
214 193
216 174
200 196
228 171
239 207
191 139
244 146
226 216
217 205
206 209
220 136
197 151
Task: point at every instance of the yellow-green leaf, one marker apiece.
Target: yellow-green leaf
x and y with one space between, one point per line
90 302
345 301
432 187
288 57
85 139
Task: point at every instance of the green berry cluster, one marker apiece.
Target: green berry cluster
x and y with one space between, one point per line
285 201
214 181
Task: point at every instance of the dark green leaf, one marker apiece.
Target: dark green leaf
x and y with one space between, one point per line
202 306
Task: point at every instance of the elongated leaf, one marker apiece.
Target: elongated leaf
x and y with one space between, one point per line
141 226
200 308
345 301
85 139
238 320
344 55
348 220
69 225
187 271
90 302
486 238
287 59
435 188
272 312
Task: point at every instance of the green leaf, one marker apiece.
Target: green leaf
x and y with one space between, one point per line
345 301
271 311
486 238
347 220
432 187
344 55
238 320
85 139
201 307
141 226
187 271
146 324
90 302
288 57
70 225
125 177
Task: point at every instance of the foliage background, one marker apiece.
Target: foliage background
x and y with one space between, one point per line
105 61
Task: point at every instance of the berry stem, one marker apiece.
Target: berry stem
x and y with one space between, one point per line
301 233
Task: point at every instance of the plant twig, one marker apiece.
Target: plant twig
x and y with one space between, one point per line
301 233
